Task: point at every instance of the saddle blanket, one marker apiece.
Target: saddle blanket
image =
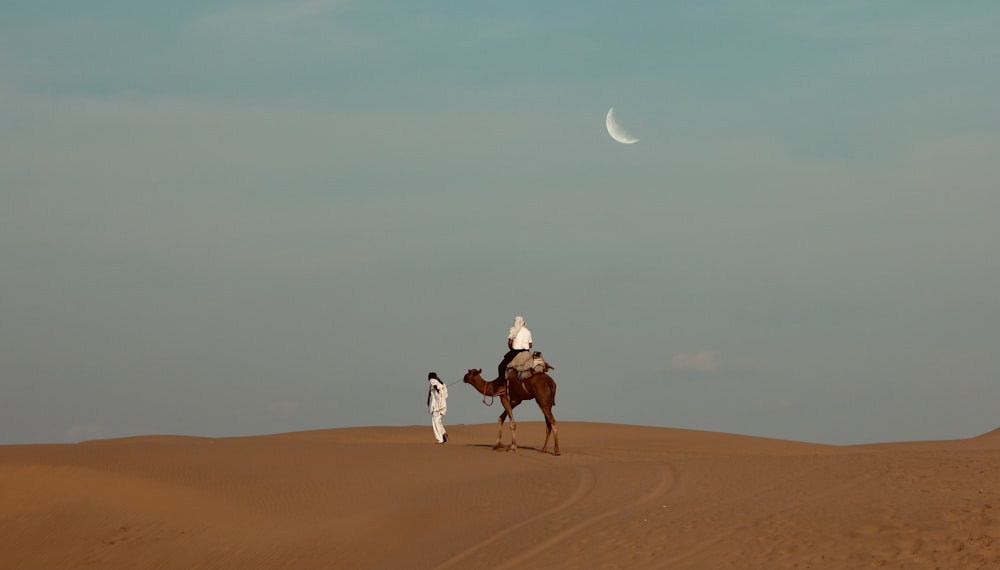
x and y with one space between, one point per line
528 362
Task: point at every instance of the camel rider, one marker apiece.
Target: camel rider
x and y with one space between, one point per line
518 340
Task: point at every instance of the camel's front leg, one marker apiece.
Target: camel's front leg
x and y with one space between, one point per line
509 410
500 420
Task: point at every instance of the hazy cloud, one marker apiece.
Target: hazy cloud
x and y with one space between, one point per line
282 409
704 361
271 29
270 15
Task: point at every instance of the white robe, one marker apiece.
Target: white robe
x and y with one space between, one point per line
439 397
438 407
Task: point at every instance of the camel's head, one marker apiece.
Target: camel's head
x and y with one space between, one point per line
471 374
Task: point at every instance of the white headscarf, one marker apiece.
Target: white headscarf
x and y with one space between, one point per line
518 325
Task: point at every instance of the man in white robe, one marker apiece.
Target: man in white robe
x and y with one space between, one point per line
437 405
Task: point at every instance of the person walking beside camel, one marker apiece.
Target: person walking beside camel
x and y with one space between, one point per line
437 405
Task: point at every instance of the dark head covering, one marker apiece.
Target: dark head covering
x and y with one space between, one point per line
432 386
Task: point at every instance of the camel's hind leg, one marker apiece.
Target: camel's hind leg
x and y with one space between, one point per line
550 428
513 434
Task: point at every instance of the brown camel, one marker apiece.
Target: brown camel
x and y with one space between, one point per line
539 387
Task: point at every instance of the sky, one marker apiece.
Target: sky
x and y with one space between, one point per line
235 218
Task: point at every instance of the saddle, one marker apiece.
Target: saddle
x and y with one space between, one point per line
526 364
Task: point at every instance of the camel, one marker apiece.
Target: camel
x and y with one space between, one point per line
539 387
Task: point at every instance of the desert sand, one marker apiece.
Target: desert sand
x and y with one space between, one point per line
619 496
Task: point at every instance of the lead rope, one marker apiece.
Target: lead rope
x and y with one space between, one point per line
490 403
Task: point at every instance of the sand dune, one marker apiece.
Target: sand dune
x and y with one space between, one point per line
388 497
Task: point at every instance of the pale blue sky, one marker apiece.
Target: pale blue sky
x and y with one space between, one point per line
234 218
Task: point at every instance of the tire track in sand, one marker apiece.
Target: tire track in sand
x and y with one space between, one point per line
584 485
701 547
666 479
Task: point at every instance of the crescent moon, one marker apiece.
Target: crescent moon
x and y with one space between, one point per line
616 131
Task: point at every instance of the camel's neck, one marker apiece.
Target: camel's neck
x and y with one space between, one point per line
485 388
